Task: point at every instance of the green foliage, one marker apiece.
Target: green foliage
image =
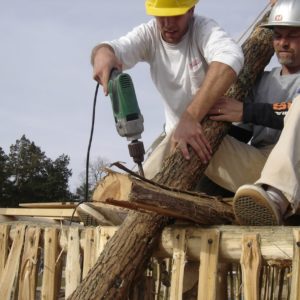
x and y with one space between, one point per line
28 175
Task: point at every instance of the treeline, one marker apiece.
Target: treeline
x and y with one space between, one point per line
28 175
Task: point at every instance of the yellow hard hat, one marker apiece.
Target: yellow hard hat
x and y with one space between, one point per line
168 8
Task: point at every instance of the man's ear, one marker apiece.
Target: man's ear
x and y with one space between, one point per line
191 11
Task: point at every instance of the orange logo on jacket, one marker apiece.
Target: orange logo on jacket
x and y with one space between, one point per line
282 106
281 109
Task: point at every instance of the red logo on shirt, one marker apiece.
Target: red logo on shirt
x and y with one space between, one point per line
195 64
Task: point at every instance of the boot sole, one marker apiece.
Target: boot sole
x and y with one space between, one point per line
251 208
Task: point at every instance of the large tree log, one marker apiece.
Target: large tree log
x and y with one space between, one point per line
128 251
126 191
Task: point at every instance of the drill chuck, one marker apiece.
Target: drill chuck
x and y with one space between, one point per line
136 151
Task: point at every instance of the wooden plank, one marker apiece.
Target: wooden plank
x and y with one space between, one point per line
49 205
251 265
295 286
4 243
73 270
29 264
208 270
179 256
11 271
51 252
89 250
38 212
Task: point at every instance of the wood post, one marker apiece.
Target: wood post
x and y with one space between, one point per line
4 237
251 264
178 264
295 289
29 264
73 267
209 256
8 283
89 256
51 280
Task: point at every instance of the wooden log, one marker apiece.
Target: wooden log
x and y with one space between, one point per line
127 252
127 191
276 243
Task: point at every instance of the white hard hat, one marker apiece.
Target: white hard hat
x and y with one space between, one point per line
284 13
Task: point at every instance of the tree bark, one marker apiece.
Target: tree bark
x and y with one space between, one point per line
126 191
128 251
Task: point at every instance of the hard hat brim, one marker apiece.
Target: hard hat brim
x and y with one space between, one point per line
167 12
285 24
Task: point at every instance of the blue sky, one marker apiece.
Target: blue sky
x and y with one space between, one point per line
46 86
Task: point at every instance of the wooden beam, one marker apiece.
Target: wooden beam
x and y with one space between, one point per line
276 242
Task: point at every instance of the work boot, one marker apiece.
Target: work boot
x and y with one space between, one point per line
256 206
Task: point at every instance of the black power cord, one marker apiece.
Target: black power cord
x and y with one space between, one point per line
88 157
89 146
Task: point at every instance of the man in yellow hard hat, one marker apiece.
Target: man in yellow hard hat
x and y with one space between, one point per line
192 63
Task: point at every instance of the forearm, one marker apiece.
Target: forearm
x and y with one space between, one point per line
265 114
217 81
99 48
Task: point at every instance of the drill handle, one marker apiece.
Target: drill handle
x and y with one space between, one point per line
114 73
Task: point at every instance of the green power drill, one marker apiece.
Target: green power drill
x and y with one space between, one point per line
128 118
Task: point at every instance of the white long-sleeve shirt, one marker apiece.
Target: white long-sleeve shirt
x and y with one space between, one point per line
177 69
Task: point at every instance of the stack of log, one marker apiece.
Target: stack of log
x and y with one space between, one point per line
127 253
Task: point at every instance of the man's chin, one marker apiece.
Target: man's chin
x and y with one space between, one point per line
286 61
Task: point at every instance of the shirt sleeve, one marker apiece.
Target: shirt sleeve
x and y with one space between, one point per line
217 45
266 114
135 46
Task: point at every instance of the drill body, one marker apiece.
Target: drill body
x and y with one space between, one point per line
128 118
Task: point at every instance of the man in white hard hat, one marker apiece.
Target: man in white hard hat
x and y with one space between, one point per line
272 159
192 63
